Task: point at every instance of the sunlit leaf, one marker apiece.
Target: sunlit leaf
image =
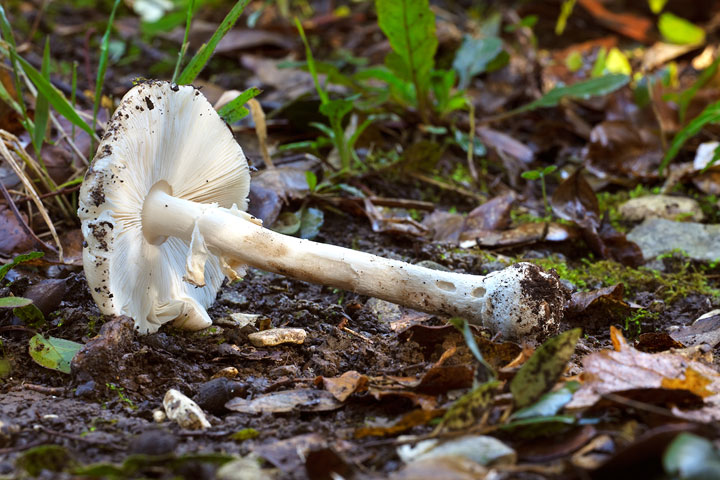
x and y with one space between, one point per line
549 404
30 316
678 30
409 25
54 353
14 302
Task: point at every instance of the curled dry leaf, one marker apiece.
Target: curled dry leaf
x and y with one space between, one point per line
345 385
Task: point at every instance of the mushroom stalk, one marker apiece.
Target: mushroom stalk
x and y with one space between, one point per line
233 234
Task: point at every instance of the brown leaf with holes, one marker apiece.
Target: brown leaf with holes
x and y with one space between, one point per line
345 385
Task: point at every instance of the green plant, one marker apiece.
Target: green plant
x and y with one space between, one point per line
540 175
120 392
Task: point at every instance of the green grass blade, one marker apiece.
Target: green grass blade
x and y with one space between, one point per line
54 96
102 64
73 93
25 257
711 114
10 39
42 106
234 110
184 46
311 63
200 59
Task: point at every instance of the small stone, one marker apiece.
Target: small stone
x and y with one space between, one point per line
153 442
159 416
234 299
661 206
277 336
184 411
385 312
657 236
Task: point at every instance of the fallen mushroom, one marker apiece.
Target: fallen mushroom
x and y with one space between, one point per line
162 210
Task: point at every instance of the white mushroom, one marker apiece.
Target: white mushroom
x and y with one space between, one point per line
162 210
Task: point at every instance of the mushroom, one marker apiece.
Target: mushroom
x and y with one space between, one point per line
163 215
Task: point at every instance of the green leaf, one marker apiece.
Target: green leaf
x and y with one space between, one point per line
711 114
25 257
617 62
582 91
543 369
336 109
14 302
311 219
54 353
691 457
473 57
200 59
102 63
549 404
409 25
234 110
311 180
42 107
549 169
678 30
287 223
30 315
531 175
656 6
311 63
54 96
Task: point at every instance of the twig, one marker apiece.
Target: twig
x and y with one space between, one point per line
20 448
46 390
23 224
446 186
62 191
345 329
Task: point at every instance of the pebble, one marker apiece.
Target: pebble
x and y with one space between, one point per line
184 411
661 206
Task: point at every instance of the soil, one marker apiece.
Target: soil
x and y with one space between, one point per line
103 411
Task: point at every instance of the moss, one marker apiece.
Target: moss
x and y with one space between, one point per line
590 274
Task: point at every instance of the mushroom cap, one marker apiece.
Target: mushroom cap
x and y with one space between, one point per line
159 132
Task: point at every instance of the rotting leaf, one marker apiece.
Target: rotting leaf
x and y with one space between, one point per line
54 353
469 409
543 369
598 307
408 421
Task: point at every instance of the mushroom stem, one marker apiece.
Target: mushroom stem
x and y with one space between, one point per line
498 297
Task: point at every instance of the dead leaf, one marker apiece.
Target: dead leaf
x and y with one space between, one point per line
390 221
598 308
623 152
345 385
574 200
704 330
626 368
13 238
632 26
408 421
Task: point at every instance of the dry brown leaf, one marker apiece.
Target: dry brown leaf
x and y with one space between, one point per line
345 385
408 421
626 368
